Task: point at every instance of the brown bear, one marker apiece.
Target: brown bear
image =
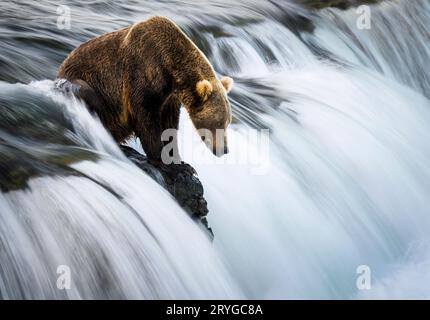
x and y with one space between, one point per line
135 79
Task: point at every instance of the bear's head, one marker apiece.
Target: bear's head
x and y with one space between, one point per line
212 113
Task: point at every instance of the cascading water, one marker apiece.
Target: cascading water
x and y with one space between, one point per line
345 181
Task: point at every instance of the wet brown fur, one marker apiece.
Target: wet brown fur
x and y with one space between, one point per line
136 78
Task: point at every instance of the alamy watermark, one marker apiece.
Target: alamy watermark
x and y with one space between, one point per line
248 147
364 20
364 279
64 279
64 17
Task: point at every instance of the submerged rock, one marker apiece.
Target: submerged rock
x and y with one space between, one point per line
180 180
341 4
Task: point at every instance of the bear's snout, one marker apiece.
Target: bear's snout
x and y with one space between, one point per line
215 141
219 152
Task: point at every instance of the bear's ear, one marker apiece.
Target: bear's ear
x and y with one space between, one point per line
227 83
204 89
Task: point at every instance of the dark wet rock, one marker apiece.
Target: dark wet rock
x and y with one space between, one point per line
36 139
180 180
302 23
340 4
17 166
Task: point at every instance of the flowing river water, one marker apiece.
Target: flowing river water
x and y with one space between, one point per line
343 180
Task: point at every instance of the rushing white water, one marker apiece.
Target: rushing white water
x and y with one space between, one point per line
346 184
350 173
122 237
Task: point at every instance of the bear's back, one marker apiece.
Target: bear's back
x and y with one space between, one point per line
95 61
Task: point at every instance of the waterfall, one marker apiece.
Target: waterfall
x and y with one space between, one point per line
120 234
346 170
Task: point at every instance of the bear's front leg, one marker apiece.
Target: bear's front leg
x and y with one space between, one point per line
170 113
169 122
148 130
